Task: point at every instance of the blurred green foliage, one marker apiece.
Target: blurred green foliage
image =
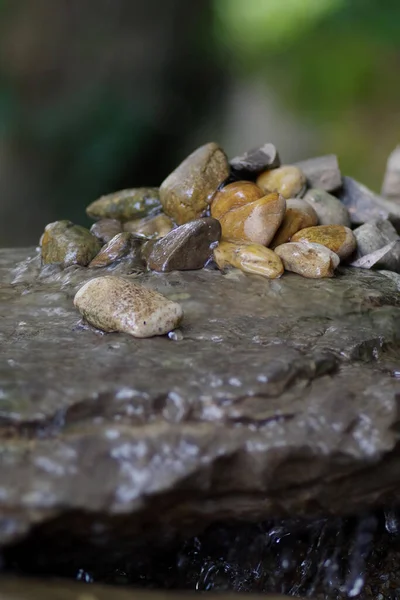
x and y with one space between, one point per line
333 62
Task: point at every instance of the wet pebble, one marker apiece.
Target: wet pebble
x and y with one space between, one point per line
256 160
298 215
287 180
322 172
308 259
152 227
117 248
373 236
246 214
250 258
106 229
186 193
391 181
386 258
329 209
341 240
187 247
115 304
126 204
68 244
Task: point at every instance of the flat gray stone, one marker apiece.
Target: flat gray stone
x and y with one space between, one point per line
391 181
387 258
322 172
364 205
279 397
373 236
256 160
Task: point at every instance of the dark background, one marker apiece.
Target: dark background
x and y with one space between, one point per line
97 95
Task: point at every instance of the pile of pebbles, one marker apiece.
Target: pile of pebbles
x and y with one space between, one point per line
251 213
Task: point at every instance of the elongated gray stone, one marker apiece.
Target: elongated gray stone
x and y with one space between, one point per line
387 258
363 204
391 181
322 172
373 236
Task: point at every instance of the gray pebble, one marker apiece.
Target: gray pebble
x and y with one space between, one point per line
256 160
329 209
373 236
322 172
386 258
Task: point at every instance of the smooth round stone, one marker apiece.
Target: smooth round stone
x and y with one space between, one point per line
106 229
288 180
256 160
126 204
186 193
337 238
298 215
329 209
308 259
115 304
152 227
117 248
250 258
68 244
254 222
185 248
234 195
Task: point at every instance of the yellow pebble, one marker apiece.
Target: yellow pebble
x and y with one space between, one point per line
338 238
288 180
250 258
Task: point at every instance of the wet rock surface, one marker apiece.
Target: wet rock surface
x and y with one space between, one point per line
281 397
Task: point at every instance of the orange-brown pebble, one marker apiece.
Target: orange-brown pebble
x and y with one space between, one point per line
288 180
246 214
250 258
310 260
153 227
338 238
298 215
234 195
116 248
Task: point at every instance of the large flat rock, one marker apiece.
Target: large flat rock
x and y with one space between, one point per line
282 397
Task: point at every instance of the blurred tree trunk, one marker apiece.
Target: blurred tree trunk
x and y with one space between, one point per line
98 95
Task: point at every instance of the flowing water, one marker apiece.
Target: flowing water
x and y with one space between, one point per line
326 559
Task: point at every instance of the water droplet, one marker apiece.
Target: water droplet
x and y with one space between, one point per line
176 335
